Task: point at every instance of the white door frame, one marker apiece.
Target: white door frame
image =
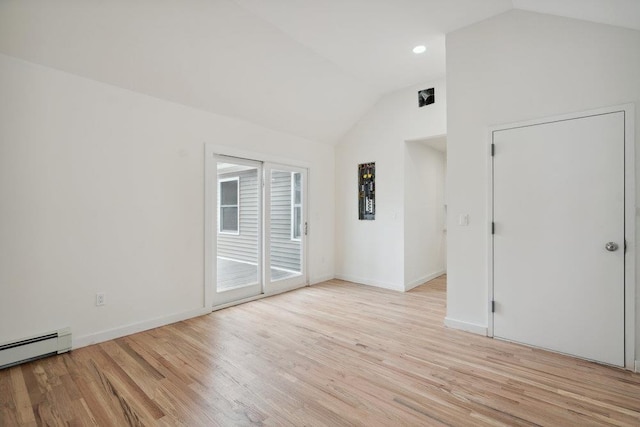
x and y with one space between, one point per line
629 217
210 214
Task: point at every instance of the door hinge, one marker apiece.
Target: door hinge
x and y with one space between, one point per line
493 150
493 227
306 228
493 306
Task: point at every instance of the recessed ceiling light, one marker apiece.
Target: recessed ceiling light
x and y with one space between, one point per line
419 49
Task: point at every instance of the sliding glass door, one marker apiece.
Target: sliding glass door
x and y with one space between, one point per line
238 230
257 228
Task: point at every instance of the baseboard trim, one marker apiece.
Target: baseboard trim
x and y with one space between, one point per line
424 279
465 326
637 366
368 282
134 328
320 279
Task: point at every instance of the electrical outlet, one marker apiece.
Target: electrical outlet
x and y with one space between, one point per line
100 298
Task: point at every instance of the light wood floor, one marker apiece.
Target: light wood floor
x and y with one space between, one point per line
332 354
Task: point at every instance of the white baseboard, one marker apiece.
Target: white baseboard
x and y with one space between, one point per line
370 282
111 334
465 326
421 280
320 279
637 366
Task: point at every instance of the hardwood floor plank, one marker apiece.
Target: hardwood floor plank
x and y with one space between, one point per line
128 391
84 416
94 404
36 388
8 411
328 355
23 406
139 359
103 395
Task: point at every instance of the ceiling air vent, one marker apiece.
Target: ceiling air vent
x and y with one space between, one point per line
426 97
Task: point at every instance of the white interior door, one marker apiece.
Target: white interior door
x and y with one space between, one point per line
238 229
285 227
558 201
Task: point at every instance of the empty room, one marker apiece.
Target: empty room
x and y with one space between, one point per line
319 213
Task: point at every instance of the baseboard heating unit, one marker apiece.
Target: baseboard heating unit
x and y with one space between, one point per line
32 348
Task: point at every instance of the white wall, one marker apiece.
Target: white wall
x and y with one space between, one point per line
101 189
515 67
218 56
424 235
372 252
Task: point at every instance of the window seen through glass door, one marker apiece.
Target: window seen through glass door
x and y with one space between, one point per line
296 205
229 221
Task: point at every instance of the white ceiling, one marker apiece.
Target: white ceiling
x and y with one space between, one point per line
306 67
372 40
622 13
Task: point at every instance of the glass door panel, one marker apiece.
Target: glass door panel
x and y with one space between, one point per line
238 230
285 231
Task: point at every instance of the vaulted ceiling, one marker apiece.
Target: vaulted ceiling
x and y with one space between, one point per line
306 67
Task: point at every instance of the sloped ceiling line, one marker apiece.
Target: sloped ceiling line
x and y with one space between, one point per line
305 67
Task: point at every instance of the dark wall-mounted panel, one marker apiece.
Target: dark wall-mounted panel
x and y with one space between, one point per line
367 191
